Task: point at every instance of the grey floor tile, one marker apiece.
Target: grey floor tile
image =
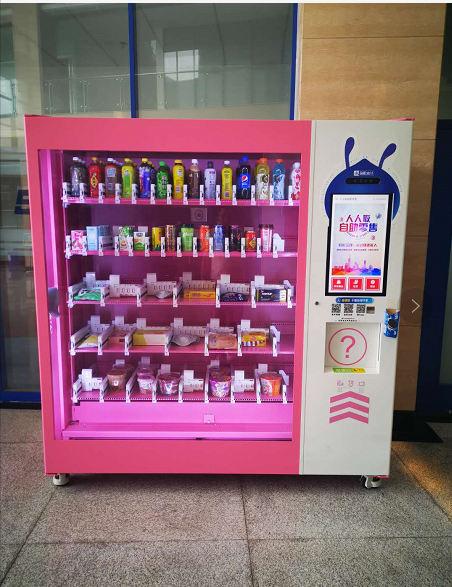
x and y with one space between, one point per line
24 490
8 553
161 564
403 562
121 508
443 429
20 426
431 464
327 507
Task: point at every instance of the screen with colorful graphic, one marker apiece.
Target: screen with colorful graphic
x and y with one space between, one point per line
358 240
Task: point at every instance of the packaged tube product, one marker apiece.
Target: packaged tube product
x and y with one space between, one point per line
271 383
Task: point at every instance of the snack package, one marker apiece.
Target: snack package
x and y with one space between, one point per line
220 385
271 384
118 376
221 341
118 336
77 240
169 383
145 381
233 296
199 294
123 233
92 295
272 293
144 337
184 339
254 338
89 342
139 241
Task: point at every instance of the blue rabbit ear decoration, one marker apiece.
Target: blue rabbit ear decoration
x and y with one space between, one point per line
387 184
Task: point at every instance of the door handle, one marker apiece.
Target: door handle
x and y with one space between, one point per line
53 300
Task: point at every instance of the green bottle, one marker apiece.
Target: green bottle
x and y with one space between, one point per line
162 180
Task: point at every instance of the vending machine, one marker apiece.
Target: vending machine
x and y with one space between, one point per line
218 296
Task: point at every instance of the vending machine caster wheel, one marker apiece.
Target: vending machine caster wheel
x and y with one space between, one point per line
61 479
370 481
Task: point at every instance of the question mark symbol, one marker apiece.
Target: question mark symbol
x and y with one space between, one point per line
352 344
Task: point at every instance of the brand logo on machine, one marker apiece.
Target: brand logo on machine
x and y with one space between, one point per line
342 401
363 173
358 226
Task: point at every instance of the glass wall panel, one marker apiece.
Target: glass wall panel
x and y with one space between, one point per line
214 60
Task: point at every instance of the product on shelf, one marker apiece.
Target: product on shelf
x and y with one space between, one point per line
123 233
96 176
271 293
89 342
128 174
222 341
139 238
88 294
145 179
112 177
295 180
92 236
226 181
118 376
218 237
157 233
220 385
271 384
243 179
162 181
150 336
77 237
266 236
77 175
203 238
187 232
235 237
194 179
169 383
184 339
250 240
145 379
118 336
254 338
279 180
233 296
210 181
199 294
262 172
170 237
178 180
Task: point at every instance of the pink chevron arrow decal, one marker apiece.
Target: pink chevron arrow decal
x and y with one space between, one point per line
349 415
352 394
349 405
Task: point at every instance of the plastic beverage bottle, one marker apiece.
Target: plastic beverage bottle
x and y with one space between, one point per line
111 177
243 179
95 177
210 181
194 179
76 174
145 179
279 180
226 181
127 173
178 180
162 181
295 180
262 180
153 173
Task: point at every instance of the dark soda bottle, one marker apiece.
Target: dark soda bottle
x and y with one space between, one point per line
243 175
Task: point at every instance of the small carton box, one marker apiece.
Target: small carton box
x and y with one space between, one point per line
199 294
77 240
150 337
93 233
123 233
139 241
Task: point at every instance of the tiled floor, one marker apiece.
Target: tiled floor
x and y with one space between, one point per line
199 531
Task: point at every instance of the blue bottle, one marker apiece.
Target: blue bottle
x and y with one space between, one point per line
145 179
243 179
279 180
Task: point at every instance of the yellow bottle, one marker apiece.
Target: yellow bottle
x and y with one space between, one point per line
262 180
226 181
128 178
178 180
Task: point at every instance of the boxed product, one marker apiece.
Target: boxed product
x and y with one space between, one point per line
199 294
87 294
89 342
150 337
254 338
77 240
118 336
123 233
92 235
221 341
139 241
118 376
271 293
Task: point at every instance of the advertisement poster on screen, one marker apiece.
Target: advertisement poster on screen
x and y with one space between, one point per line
358 240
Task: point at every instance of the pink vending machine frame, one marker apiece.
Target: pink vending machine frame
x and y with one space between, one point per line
47 142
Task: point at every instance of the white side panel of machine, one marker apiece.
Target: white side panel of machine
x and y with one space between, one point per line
360 169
